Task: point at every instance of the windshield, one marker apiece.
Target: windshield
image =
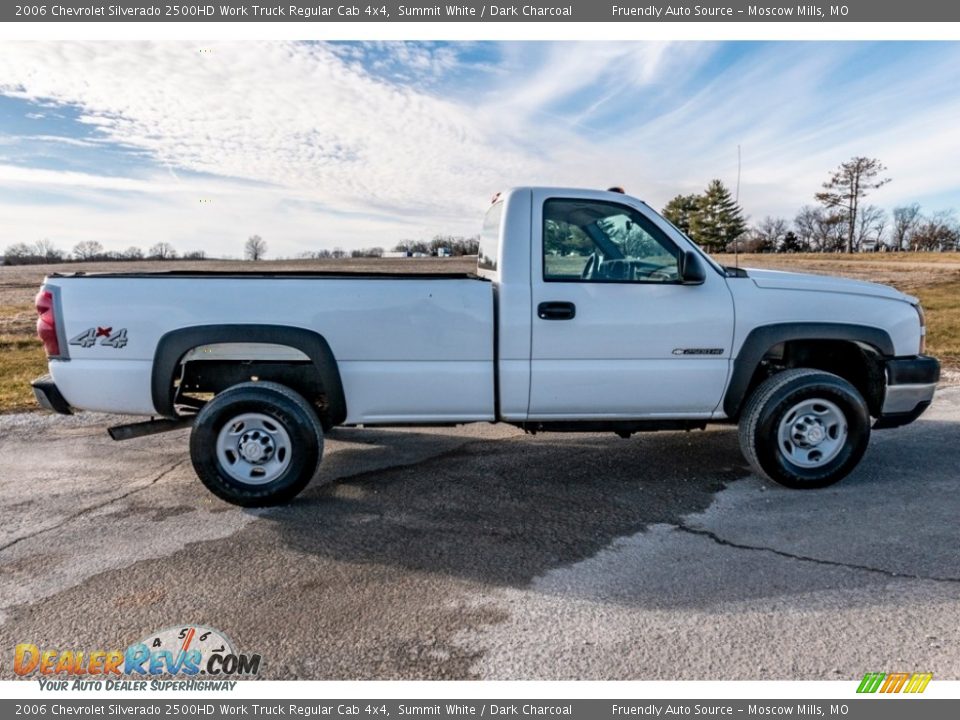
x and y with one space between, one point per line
676 234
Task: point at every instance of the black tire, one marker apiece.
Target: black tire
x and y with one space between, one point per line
774 456
295 449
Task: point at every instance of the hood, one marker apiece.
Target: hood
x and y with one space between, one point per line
779 280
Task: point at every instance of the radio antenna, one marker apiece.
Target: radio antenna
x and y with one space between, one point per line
736 240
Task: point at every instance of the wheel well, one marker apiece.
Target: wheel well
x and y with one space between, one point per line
858 363
855 352
200 378
192 364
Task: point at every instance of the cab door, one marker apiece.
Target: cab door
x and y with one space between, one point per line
616 334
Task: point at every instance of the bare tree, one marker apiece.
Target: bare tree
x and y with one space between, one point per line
18 254
871 224
906 219
47 251
87 250
162 251
133 253
769 233
807 223
819 230
939 232
847 186
467 246
338 252
255 248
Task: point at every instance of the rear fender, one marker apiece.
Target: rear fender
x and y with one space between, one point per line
174 345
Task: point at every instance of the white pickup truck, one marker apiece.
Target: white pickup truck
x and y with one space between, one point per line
588 312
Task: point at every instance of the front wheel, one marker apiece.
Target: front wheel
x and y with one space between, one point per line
804 428
256 444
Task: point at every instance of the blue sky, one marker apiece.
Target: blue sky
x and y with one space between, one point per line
316 145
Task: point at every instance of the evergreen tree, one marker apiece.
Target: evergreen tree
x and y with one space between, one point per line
718 220
680 211
792 243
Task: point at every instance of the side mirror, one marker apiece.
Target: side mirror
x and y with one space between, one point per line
691 269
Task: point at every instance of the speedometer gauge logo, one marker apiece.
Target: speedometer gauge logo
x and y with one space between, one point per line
182 640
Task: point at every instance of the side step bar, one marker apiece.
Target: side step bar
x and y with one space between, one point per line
149 427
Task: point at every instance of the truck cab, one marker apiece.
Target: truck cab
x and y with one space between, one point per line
607 312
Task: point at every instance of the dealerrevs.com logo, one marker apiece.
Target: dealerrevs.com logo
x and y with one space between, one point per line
205 657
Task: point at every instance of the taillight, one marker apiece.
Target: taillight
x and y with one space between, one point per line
47 323
923 328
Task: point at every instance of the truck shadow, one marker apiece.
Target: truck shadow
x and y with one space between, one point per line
503 511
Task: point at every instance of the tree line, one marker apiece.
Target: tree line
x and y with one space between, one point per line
45 251
449 245
840 221
254 249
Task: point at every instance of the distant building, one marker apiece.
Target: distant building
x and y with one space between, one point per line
397 254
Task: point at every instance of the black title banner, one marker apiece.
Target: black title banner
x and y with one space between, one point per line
473 11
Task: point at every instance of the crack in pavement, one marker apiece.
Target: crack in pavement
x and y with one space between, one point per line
805 558
99 506
456 451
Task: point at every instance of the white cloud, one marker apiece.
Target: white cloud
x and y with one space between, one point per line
315 146
294 116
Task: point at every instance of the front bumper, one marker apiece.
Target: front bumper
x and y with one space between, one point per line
911 382
49 397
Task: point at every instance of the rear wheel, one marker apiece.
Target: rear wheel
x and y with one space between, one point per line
804 428
256 444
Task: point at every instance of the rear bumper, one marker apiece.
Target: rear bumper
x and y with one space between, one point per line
911 382
49 397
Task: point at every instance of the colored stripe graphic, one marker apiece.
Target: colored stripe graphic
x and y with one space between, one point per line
918 683
870 683
894 682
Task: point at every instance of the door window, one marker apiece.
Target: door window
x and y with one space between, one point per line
599 241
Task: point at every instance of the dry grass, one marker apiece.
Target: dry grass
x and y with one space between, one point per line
933 277
18 366
941 304
21 357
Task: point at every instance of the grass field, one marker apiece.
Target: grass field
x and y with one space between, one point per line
933 277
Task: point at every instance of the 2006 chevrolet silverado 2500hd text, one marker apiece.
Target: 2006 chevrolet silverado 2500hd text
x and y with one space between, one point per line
589 311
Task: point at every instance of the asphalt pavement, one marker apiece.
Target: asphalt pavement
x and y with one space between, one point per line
479 552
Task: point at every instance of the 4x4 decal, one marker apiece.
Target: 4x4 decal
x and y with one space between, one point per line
88 338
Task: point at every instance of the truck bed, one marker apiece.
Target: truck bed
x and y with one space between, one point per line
410 347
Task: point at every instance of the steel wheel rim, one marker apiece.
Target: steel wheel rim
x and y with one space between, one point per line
253 448
812 433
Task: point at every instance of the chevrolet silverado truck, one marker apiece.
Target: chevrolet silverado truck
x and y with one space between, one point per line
588 311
